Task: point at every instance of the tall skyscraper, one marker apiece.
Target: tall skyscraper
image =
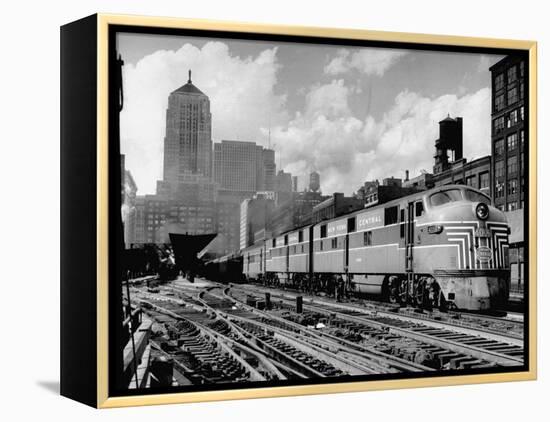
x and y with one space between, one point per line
188 140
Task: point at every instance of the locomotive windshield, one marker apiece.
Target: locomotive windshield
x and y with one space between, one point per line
444 197
453 195
472 195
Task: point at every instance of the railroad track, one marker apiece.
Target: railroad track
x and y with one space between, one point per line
297 340
292 358
510 326
454 346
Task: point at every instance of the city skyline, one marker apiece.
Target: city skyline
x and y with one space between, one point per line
320 111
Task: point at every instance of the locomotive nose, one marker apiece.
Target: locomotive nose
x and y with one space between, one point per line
482 211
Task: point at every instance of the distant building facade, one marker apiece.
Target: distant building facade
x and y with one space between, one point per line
508 132
509 78
335 205
243 166
283 182
295 210
373 193
254 215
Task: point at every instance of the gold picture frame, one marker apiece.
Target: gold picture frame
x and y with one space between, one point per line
101 214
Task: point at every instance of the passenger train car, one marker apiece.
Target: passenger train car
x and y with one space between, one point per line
445 247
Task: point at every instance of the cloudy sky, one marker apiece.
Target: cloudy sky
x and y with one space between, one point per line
352 114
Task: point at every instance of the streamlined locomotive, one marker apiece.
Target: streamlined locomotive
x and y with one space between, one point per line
445 247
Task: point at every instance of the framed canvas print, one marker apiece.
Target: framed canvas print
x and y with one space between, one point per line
255 211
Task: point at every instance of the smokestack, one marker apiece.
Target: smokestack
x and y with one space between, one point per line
406 175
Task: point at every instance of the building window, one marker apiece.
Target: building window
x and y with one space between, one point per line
499 146
521 137
334 243
512 74
471 181
513 95
522 113
521 91
512 186
499 102
522 69
498 124
499 190
512 165
499 169
513 118
512 141
367 238
512 206
484 180
522 185
499 81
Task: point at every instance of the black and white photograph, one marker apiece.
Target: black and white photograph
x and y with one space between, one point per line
299 212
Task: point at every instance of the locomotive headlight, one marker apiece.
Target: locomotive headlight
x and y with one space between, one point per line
482 211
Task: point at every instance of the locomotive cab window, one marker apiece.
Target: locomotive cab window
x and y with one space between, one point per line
390 215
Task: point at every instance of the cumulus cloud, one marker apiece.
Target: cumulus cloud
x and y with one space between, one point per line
241 91
347 150
370 61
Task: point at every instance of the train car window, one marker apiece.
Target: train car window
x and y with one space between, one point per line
300 236
444 197
472 195
302 248
334 243
323 230
321 245
418 209
293 249
402 225
367 238
286 239
273 243
390 215
351 225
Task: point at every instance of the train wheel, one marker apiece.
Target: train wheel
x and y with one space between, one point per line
393 290
420 293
